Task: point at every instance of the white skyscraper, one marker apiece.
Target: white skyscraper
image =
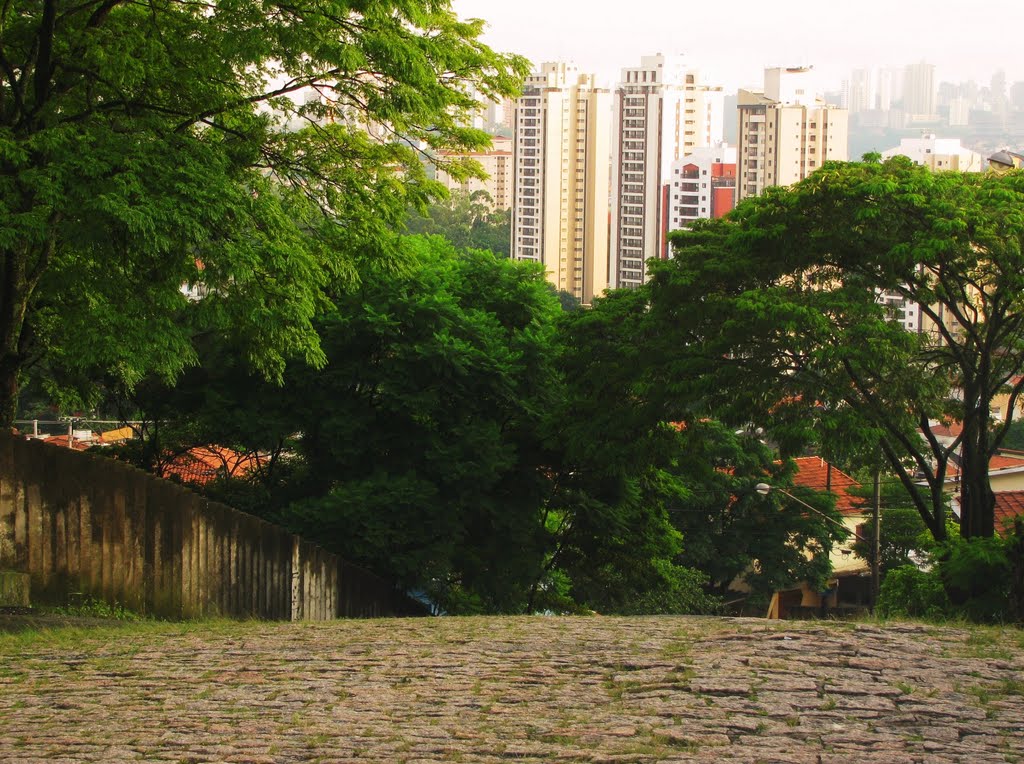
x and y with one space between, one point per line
860 91
662 111
919 91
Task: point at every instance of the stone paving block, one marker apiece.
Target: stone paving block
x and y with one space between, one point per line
525 689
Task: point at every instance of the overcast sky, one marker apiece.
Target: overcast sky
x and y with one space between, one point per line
732 42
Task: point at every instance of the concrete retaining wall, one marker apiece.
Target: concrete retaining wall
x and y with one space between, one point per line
82 523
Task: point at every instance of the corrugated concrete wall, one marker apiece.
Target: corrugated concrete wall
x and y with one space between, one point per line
79 522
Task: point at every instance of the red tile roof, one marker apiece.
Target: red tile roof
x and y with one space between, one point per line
946 430
62 441
202 464
1009 504
813 472
998 463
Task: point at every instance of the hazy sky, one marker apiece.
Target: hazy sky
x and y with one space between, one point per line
732 42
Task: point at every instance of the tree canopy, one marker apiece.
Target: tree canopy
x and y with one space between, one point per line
252 149
470 439
790 314
467 220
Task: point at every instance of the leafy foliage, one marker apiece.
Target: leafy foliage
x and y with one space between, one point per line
978 579
255 150
905 539
420 434
909 592
467 220
775 318
731 532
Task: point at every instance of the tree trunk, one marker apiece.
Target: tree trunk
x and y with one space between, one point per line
13 309
8 391
977 501
20 272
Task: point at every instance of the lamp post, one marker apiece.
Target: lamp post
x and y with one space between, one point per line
764 489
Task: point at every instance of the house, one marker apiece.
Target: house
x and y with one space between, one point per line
1009 506
203 464
1005 472
850 585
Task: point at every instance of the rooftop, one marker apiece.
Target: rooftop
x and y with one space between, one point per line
815 473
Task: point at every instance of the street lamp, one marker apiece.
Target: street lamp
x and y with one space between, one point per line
764 488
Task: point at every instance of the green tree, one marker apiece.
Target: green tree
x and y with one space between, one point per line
774 315
467 220
905 539
730 531
610 463
420 435
251 148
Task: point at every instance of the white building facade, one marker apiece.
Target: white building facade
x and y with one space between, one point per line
938 153
703 185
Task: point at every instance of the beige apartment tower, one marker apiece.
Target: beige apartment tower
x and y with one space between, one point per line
662 112
786 132
560 178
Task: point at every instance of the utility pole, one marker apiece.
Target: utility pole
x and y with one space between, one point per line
876 554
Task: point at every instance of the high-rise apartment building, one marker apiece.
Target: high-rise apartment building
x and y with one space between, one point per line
919 91
560 178
786 132
662 111
496 162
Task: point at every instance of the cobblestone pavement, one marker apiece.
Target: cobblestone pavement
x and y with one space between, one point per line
520 689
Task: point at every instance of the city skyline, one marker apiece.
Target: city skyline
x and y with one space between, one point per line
834 40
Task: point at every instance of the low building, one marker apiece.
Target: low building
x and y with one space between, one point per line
849 588
938 153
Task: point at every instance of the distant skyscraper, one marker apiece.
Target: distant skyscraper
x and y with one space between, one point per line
919 91
860 91
662 111
786 132
1017 95
884 95
560 192
997 90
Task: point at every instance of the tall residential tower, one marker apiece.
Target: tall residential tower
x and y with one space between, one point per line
662 112
786 132
560 178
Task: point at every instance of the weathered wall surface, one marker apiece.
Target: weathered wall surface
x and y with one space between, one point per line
79 522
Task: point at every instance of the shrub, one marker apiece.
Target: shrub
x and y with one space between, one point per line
909 592
976 575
